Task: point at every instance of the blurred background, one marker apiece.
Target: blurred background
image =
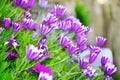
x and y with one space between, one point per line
104 18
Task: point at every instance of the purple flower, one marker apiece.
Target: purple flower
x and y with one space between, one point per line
25 23
87 30
76 27
11 41
17 2
72 49
32 24
48 23
44 29
109 68
29 24
21 3
49 20
92 57
24 3
108 78
59 10
95 49
45 73
27 14
104 60
45 56
34 53
82 42
43 3
64 41
6 22
15 26
89 72
42 40
65 25
31 3
100 41
12 55
43 47
84 63
82 30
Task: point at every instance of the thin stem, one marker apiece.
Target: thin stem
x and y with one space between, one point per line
70 70
59 61
74 73
19 69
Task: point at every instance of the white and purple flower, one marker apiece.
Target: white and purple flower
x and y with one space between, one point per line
24 3
104 60
72 49
42 40
92 57
44 30
100 41
11 55
76 27
49 20
89 72
11 41
64 41
84 63
27 14
34 53
95 49
6 22
82 42
59 10
45 73
109 68
15 26
65 25
108 78
29 24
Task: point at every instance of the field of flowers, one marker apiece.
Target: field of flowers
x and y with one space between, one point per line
48 49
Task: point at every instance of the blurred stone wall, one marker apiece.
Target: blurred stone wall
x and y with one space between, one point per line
114 31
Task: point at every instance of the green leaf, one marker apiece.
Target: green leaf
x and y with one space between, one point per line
3 66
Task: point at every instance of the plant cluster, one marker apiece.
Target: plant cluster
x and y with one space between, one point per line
25 56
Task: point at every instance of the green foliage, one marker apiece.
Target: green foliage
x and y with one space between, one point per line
116 76
7 9
82 14
59 60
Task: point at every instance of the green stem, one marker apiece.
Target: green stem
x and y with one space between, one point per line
74 73
59 61
70 70
21 67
